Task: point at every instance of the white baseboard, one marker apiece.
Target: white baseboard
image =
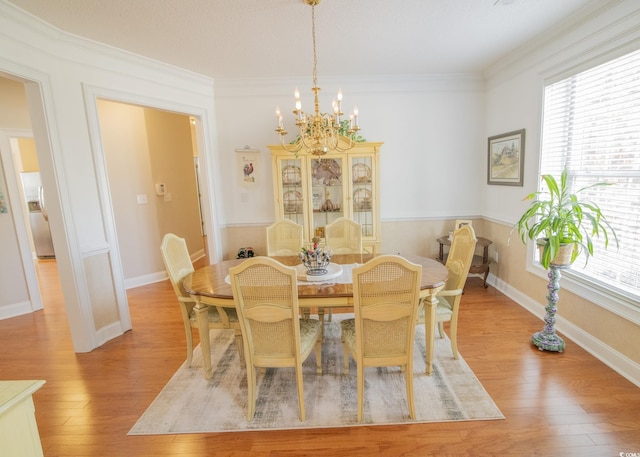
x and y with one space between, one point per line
145 279
157 276
606 354
16 309
197 255
108 333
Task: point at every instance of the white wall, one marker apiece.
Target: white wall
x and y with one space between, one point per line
515 88
432 128
14 113
124 137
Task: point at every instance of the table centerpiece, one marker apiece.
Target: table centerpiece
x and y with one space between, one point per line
315 259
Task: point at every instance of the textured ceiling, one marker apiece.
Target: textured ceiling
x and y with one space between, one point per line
272 38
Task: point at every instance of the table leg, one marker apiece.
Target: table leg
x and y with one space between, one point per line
321 317
202 313
430 305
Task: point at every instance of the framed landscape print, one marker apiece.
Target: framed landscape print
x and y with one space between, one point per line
506 159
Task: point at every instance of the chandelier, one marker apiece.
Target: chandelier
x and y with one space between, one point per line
320 133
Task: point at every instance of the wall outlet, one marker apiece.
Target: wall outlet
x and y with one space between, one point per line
142 199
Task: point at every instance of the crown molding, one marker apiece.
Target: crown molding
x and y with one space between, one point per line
276 87
47 41
597 27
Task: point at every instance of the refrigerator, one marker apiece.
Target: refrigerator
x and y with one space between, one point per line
38 220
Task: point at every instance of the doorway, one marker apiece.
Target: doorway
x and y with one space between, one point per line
161 162
32 196
32 241
150 157
72 257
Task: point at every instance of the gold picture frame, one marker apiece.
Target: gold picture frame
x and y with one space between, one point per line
505 159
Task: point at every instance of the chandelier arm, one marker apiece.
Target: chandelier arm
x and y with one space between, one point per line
291 147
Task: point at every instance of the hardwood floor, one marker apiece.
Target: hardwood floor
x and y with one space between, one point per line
567 404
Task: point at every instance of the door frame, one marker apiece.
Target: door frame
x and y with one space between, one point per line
14 198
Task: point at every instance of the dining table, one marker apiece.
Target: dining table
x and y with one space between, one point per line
210 286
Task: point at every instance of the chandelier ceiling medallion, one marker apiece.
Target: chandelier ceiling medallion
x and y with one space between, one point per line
320 133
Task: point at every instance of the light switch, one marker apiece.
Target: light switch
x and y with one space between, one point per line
142 199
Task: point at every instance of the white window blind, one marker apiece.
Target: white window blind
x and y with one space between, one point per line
591 125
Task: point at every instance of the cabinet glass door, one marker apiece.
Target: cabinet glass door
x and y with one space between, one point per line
327 193
363 196
292 193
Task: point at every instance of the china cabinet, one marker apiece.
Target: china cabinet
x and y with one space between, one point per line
314 191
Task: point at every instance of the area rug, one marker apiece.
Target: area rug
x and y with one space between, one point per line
191 404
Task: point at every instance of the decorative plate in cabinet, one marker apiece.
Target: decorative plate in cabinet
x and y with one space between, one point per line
362 199
292 201
326 172
361 173
291 175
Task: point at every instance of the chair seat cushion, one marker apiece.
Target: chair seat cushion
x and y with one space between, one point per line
310 330
348 327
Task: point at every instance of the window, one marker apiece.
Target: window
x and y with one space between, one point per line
591 125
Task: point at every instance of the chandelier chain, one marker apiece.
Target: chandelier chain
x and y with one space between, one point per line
315 55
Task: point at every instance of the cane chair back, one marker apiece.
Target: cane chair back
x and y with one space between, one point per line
344 236
458 264
284 237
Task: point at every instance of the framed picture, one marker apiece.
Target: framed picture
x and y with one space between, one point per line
506 159
248 165
4 208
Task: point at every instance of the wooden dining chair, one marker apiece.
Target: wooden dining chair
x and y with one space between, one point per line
344 236
385 294
284 237
177 262
458 264
265 293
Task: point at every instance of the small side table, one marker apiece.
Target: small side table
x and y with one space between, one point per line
479 264
18 427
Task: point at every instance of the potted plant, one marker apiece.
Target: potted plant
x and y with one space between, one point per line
560 222
563 226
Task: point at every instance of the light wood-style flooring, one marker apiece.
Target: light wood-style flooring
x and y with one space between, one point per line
567 404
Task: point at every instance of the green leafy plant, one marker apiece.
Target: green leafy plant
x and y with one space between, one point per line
343 130
558 217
